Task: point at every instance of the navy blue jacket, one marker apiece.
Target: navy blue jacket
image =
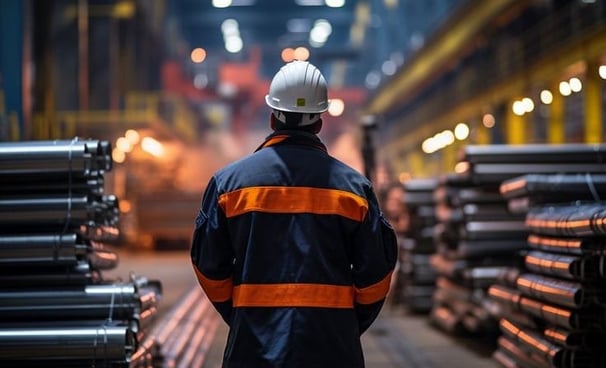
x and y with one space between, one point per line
294 253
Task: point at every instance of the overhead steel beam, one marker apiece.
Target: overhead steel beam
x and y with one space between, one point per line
439 51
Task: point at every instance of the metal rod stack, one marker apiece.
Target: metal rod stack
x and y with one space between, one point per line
475 237
552 307
56 309
182 338
481 236
417 277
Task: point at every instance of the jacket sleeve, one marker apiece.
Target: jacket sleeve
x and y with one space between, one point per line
374 259
211 253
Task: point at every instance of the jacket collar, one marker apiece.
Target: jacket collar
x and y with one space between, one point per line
292 137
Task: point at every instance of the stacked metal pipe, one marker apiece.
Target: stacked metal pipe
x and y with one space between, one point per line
552 308
482 240
183 337
417 275
475 236
56 309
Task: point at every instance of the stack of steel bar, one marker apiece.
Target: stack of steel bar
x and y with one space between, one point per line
497 163
553 307
55 220
416 274
475 238
182 338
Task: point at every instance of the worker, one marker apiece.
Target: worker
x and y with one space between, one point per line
290 244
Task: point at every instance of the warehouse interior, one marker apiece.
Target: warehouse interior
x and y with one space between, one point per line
486 116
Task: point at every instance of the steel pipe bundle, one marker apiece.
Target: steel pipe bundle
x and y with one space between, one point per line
41 249
469 249
14 187
538 347
510 355
589 267
476 239
566 245
556 187
78 157
574 339
415 278
560 285
56 309
534 190
567 293
498 163
571 220
70 211
485 230
35 319
182 337
535 153
485 211
82 273
102 345
114 301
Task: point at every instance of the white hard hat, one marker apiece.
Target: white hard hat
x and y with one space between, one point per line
298 87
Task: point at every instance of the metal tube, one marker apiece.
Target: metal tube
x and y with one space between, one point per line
484 248
41 249
443 318
506 296
52 185
556 187
566 245
93 301
575 339
535 153
483 230
103 259
80 274
565 293
49 210
564 317
564 266
584 220
54 156
531 341
520 357
99 343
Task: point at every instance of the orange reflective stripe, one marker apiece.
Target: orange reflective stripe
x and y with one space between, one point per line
275 140
294 200
216 290
293 295
375 292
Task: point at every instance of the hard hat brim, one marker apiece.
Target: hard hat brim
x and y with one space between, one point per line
306 110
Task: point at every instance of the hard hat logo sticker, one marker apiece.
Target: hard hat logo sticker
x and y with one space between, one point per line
300 102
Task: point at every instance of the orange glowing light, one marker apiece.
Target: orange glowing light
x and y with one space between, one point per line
198 55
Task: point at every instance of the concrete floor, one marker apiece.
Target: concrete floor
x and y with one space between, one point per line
397 339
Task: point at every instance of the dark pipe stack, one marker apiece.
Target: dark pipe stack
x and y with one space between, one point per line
552 307
416 274
481 240
55 307
182 338
476 237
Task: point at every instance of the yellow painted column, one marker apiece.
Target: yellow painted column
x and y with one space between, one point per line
593 104
555 125
515 127
416 163
449 157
